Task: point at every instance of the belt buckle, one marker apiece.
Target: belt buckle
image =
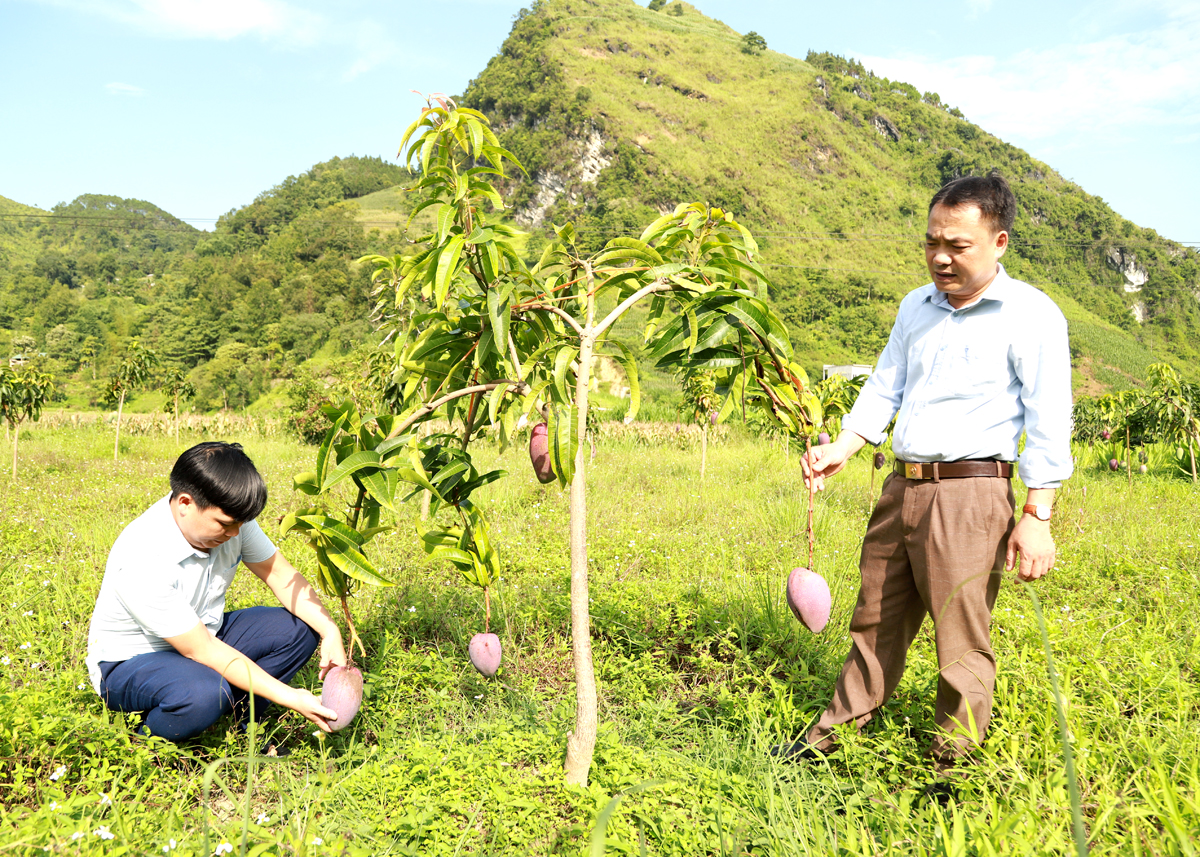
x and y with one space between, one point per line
912 470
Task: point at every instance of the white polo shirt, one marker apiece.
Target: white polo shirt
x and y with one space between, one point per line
156 585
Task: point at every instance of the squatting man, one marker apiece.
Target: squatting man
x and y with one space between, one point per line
160 641
975 359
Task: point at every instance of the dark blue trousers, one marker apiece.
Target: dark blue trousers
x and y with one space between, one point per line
182 698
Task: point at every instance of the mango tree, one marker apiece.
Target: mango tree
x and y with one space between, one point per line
133 371
22 397
1173 408
493 336
700 403
177 386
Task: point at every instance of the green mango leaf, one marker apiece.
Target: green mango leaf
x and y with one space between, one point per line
307 483
366 459
351 562
629 364
333 529
563 442
446 267
562 364
380 486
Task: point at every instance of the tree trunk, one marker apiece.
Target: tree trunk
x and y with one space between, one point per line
1192 453
426 496
703 449
117 440
15 438
177 419
1128 459
581 743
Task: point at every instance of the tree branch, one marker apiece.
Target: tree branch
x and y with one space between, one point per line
449 397
658 285
566 316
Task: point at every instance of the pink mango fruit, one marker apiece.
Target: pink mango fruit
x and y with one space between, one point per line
484 650
539 454
808 596
343 692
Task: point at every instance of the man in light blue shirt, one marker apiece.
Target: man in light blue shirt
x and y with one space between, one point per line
160 640
975 359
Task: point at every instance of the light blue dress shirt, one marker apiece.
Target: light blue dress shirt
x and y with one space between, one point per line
967 382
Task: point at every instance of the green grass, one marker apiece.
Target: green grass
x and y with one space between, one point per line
701 670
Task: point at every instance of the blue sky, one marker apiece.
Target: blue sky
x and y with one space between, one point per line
199 105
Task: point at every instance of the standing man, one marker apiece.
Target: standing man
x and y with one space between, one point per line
161 642
974 360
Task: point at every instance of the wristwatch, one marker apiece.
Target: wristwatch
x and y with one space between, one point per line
1042 513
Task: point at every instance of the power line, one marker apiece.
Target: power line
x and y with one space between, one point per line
109 221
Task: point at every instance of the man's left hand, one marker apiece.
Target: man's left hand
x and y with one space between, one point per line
333 653
1032 540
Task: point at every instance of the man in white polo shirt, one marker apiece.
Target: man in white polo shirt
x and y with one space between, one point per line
160 640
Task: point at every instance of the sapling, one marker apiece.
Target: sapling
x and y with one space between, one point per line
495 335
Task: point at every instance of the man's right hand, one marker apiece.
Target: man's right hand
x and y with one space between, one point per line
310 707
826 460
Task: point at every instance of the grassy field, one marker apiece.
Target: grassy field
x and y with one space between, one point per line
701 669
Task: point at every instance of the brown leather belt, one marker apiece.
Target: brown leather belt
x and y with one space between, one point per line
936 470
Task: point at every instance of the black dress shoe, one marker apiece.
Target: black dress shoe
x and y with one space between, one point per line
799 750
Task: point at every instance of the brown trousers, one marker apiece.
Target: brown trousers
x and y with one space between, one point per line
937 548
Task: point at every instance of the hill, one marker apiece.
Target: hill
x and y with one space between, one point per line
619 112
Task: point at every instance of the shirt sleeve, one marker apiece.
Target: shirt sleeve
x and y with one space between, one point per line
256 546
880 397
1043 366
156 605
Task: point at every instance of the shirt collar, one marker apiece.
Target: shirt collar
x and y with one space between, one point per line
999 290
176 546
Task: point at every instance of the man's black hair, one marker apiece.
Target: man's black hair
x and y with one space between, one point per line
220 474
990 193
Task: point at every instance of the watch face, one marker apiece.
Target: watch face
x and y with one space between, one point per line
1043 513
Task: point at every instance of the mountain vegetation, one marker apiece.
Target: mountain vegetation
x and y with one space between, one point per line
618 112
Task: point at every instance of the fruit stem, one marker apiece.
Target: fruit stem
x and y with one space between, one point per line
354 638
487 609
811 538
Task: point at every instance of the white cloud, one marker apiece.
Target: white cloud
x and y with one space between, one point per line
271 20
123 89
1118 84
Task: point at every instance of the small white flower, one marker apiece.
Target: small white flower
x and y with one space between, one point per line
27 645
172 843
5 661
77 835
81 685
480 696
27 613
53 806
263 818
45 583
412 609
58 772
317 840
317 734
105 800
104 833
224 848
